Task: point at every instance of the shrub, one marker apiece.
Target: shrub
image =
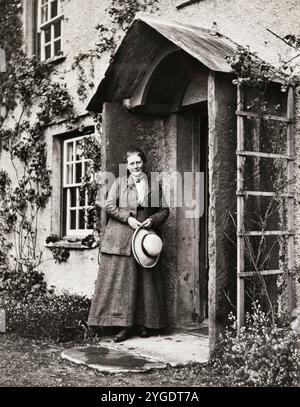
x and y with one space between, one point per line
262 354
46 316
21 284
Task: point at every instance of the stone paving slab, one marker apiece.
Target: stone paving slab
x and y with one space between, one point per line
141 354
174 349
108 359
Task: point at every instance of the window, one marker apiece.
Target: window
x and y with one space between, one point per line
50 29
78 211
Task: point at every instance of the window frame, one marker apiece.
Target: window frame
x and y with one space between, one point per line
49 24
66 189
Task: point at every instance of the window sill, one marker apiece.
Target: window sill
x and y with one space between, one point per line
71 245
56 60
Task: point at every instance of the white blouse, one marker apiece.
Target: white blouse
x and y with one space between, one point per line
141 185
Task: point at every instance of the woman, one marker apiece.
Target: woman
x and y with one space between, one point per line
126 294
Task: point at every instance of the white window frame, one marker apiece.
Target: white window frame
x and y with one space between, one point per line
77 232
50 23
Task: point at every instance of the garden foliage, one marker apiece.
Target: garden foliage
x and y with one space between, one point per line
47 316
262 354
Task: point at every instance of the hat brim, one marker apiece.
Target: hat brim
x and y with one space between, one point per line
139 255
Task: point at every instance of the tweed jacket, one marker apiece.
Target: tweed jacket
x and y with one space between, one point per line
122 203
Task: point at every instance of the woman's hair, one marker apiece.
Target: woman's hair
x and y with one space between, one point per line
136 151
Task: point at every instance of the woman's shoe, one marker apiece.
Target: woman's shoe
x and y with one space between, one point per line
124 334
144 332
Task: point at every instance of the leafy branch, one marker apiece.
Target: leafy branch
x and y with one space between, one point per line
120 14
30 99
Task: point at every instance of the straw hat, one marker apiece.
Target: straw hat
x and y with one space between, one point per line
146 247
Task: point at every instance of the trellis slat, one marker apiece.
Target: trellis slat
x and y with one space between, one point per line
241 195
264 155
265 116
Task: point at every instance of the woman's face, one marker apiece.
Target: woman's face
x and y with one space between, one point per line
135 165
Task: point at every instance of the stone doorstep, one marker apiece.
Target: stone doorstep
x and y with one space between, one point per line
141 354
174 349
110 360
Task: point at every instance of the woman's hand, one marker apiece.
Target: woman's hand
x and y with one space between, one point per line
148 223
134 223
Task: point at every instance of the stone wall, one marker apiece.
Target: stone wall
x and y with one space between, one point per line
222 203
297 198
157 138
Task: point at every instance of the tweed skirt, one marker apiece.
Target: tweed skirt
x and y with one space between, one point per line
127 294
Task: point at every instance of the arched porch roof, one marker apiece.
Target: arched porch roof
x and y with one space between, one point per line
145 39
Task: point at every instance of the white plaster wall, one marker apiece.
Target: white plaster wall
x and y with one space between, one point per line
79 36
77 275
243 21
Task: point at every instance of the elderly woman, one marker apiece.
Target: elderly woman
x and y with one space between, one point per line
127 294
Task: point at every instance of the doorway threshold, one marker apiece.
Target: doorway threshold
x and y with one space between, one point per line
159 351
175 348
196 329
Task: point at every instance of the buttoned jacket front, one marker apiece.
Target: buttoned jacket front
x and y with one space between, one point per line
122 202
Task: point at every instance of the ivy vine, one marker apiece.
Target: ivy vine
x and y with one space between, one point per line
30 99
120 15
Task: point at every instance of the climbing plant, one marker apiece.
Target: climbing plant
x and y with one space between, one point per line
120 15
30 99
264 134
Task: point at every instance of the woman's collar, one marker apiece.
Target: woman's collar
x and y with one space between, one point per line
131 180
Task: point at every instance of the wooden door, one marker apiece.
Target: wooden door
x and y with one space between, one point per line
192 233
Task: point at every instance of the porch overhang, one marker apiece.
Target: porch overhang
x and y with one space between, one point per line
146 36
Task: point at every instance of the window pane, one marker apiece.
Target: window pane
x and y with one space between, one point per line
73 219
78 150
81 219
57 48
69 177
57 29
54 8
48 35
44 14
91 220
48 52
73 197
82 197
70 151
78 173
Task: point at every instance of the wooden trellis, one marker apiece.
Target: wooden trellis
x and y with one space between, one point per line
242 194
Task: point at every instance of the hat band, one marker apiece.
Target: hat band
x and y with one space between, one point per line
143 248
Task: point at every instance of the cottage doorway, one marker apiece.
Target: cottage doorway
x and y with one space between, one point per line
175 86
193 232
